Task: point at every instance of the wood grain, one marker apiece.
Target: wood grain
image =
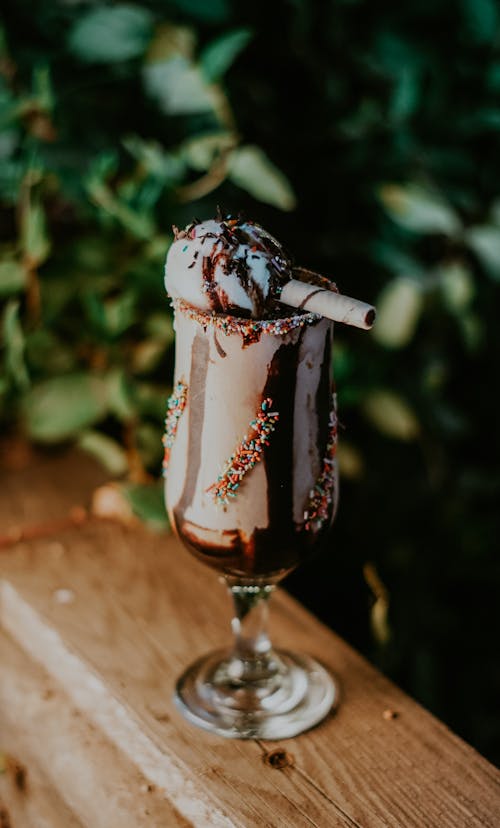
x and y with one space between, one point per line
54 743
141 609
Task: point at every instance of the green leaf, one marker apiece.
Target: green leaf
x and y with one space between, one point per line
34 236
149 443
350 460
139 224
201 151
419 209
170 40
493 77
59 408
379 615
397 260
155 249
147 502
42 87
473 330
391 415
102 166
343 362
106 450
251 169
209 11
365 119
47 354
481 19
406 94
147 355
218 56
160 326
151 400
162 165
480 121
112 33
484 240
494 214
12 277
457 286
398 311
94 308
9 140
379 621
13 335
178 86
120 313
392 52
119 393
11 177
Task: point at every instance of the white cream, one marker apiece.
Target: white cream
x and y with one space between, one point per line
204 249
232 389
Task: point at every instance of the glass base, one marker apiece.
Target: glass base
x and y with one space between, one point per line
294 695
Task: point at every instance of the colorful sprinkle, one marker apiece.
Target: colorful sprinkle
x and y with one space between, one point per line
321 496
249 329
249 452
175 406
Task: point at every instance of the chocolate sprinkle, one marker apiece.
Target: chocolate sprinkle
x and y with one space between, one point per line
226 255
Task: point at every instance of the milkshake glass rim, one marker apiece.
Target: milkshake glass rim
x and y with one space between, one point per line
228 324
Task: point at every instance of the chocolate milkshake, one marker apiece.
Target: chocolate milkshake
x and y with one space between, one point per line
250 467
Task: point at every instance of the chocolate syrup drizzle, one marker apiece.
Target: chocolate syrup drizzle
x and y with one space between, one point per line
276 546
281 545
324 396
226 254
197 382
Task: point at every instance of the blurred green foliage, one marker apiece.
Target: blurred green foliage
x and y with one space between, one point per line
366 136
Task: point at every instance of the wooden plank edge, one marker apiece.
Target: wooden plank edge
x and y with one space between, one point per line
91 695
88 782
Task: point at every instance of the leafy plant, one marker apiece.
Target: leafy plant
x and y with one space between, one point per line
88 204
367 140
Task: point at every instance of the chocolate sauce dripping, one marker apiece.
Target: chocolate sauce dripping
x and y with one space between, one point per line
197 390
218 347
216 555
277 547
306 298
324 399
323 405
230 238
208 267
277 543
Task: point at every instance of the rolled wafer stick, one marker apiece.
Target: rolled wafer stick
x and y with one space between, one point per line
328 303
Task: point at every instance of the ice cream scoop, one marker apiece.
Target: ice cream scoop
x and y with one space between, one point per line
228 266
233 266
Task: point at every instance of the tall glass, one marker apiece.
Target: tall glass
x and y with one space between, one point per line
251 489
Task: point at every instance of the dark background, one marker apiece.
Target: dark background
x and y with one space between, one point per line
366 137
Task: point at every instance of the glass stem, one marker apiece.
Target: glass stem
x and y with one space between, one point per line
252 660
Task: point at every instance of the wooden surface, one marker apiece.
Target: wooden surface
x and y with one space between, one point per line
98 621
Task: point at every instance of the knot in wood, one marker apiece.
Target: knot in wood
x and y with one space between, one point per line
78 515
4 818
278 759
17 773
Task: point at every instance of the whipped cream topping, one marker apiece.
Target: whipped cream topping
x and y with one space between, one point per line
228 266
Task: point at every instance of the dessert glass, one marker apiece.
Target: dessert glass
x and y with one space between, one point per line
251 489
